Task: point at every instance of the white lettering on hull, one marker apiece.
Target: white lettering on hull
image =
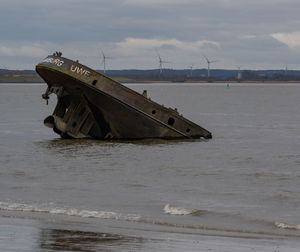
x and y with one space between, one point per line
54 61
79 70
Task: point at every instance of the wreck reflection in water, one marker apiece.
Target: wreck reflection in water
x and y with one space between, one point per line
73 240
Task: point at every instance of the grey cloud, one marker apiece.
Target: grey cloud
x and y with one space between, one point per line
167 47
241 28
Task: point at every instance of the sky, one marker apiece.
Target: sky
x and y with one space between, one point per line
256 34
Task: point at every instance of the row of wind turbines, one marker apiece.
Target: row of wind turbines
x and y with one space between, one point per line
161 62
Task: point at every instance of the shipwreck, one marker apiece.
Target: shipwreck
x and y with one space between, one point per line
92 105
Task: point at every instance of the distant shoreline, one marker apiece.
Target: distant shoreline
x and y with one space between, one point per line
171 75
35 78
125 80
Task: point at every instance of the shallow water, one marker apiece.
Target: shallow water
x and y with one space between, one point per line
240 186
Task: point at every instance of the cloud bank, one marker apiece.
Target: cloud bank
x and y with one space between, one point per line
254 34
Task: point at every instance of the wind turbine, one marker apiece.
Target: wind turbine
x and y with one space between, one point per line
286 69
239 75
161 62
208 65
104 60
191 69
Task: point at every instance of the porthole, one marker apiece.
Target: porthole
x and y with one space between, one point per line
94 82
188 130
153 112
171 121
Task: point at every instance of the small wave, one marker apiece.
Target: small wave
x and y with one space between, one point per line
175 210
68 211
281 196
287 226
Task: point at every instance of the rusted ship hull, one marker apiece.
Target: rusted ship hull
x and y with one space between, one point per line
91 105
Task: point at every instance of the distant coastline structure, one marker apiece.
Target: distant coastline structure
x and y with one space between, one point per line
286 69
161 62
208 65
104 60
191 69
239 75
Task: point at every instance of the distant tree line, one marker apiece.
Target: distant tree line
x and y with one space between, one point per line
175 75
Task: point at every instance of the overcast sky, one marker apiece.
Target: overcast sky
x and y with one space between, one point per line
252 34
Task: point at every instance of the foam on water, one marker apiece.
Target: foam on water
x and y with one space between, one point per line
176 210
68 211
168 209
287 226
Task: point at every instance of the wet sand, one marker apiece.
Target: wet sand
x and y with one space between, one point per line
27 234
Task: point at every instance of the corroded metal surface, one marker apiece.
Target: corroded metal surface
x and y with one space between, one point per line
90 104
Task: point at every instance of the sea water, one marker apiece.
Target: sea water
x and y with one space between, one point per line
239 191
